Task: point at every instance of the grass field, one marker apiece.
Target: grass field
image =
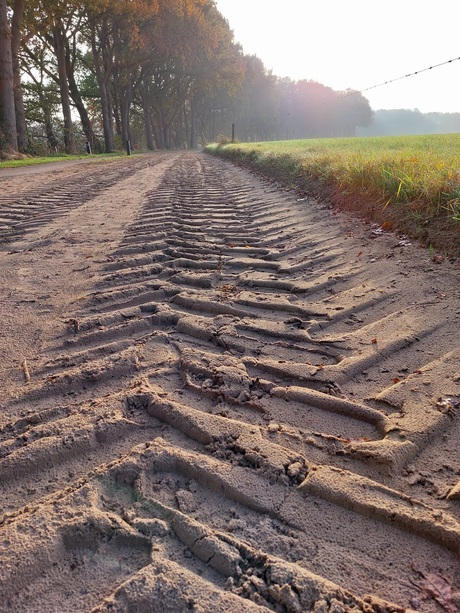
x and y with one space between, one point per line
410 184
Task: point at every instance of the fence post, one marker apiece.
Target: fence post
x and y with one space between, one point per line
233 132
128 147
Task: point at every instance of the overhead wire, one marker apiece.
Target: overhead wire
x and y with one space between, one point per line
355 92
410 74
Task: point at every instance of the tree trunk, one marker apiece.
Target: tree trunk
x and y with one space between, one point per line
52 140
125 104
21 127
192 125
157 132
102 76
107 124
77 99
116 106
59 49
167 136
147 119
7 111
187 128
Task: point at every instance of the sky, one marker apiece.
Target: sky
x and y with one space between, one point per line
358 44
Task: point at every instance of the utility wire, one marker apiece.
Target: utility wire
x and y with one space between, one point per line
355 92
411 74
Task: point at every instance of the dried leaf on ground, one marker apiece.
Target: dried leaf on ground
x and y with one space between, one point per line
436 587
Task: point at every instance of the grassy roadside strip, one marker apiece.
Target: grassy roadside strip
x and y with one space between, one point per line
406 184
24 160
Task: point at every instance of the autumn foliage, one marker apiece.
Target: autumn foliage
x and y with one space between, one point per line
157 73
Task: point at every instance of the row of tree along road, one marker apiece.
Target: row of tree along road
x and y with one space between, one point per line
157 73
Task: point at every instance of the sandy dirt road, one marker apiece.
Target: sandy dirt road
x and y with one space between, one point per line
216 396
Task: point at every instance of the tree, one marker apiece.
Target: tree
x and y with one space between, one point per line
354 113
188 61
51 21
16 25
216 66
8 136
113 33
257 104
103 66
41 100
59 45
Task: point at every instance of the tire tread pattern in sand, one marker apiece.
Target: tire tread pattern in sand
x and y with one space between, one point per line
220 396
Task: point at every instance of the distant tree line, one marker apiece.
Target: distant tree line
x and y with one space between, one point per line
272 108
157 73
403 122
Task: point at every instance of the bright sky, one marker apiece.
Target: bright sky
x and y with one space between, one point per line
358 44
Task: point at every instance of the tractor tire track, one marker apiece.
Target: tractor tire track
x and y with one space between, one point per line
30 208
236 398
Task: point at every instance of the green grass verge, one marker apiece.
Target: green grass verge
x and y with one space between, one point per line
32 161
409 183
